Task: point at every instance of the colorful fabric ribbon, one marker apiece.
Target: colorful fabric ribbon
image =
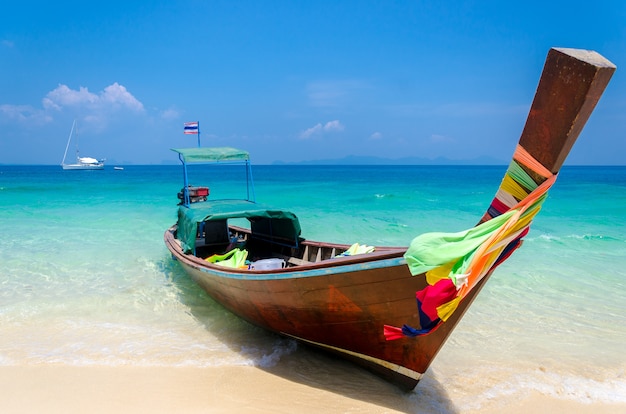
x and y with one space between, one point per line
454 263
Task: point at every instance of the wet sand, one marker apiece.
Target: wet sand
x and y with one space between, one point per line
66 389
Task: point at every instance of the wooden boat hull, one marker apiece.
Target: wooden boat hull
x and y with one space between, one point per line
342 304
340 309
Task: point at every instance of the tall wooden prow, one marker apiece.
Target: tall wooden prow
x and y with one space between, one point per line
571 85
556 119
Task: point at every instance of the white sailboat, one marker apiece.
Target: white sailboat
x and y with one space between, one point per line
82 163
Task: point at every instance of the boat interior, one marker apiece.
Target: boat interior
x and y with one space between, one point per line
218 237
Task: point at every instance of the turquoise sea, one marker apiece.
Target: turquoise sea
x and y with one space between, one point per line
85 279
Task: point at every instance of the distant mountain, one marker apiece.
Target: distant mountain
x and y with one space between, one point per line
365 160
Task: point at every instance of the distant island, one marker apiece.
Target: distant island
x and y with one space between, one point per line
368 160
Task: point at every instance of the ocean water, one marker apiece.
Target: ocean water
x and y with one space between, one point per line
85 278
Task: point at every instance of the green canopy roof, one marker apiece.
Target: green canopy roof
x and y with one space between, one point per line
265 221
215 154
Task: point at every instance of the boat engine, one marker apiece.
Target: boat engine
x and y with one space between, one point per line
196 194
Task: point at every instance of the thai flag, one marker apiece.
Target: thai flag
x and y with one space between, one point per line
191 128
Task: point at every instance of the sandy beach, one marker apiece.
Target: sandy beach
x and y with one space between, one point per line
65 389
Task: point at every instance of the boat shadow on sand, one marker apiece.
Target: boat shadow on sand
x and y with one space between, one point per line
302 364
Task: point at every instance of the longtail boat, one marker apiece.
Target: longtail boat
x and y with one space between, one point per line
389 309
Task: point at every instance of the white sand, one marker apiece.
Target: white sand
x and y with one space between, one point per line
63 389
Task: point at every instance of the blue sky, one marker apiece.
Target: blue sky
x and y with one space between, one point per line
295 80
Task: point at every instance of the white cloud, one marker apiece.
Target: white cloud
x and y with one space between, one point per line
19 112
311 131
116 94
333 126
376 135
93 107
64 96
318 129
170 114
113 97
23 113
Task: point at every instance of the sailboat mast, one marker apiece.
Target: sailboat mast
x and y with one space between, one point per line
68 142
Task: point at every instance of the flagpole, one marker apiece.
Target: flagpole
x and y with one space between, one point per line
198 134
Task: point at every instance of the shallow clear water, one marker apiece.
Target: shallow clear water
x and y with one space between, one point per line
85 278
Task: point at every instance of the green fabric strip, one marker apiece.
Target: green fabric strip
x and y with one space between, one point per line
516 172
431 250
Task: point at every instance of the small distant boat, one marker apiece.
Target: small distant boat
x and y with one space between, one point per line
118 168
82 163
389 309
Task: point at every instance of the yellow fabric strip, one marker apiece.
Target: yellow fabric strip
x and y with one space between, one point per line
512 187
521 176
444 311
442 272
